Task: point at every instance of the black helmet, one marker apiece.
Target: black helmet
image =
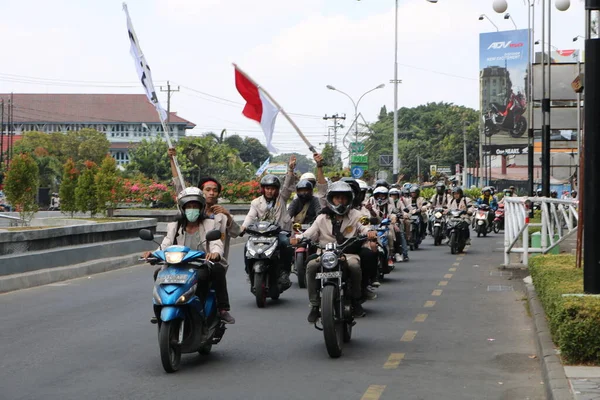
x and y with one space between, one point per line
457 189
355 190
573 193
304 184
270 180
440 187
382 182
340 188
415 189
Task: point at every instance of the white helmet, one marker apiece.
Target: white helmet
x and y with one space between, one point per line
188 195
394 191
362 184
309 176
381 190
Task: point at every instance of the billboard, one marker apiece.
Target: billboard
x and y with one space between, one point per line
503 74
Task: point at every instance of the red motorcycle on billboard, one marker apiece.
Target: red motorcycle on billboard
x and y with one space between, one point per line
510 119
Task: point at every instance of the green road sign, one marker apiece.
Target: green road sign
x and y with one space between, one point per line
357 147
359 159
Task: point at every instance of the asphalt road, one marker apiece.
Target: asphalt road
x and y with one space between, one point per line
434 332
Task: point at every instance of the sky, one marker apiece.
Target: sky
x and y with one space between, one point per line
292 48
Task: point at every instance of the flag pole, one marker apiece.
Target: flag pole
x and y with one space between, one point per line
150 93
310 146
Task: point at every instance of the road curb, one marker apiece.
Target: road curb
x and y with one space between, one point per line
41 277
553 372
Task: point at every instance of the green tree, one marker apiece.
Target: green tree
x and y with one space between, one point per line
249 149
85 145
333 163
432 131
67 187
303 163
45 150
86 196
21 185
150 158
234 141
106 184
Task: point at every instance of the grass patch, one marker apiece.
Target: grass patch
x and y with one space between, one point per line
574 321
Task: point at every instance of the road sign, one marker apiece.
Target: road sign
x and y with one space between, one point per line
444 169
277 169
432 169
357 147
357 172
386 160
359 159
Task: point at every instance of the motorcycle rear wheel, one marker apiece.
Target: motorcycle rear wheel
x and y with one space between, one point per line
453 243
437 236
496 227
347 332
260 290
300 269
170 351
332 326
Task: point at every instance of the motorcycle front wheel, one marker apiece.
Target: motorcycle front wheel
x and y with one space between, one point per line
260 290
332 324
453 243
496 227
437 236
300 269
170 352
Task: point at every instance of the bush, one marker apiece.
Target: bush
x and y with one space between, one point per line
106 184
21 185
241 191
574 321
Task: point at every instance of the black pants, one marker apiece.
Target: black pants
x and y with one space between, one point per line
219 283
368 265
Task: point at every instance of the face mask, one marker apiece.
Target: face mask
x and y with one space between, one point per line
192 214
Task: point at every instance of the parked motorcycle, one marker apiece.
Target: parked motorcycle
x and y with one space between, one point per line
498 223
335 292
187 318
511 120
301 255
439 225
262 261
482 222
456 231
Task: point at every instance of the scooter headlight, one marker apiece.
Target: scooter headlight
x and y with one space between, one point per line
174 257
329 260
438 214
184 298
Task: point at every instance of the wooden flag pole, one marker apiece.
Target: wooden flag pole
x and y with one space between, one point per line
310 146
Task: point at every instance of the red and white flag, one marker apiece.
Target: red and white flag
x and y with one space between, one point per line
258 106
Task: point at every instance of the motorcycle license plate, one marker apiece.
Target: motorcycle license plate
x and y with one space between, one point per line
328 275
171 279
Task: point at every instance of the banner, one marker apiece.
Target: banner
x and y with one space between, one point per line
263 167
503 65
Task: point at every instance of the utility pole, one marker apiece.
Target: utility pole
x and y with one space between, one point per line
2 133
335 127
10 130
169 91
418 168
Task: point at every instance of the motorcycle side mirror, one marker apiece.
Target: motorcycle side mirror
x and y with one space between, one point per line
406 209
213 235
146 234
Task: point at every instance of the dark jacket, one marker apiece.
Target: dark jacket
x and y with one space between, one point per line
314 208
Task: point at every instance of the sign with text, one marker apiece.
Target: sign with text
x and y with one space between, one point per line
359 159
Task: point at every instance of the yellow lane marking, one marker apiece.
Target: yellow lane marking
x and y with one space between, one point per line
408 336
393 361
420 318
429 304
436 292
447 276
443 283
459 258
455 264
374 392
452 270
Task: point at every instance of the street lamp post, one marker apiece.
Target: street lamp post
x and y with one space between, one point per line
464 171
507 16
483 16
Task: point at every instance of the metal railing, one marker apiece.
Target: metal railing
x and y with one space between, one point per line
13 221
558 222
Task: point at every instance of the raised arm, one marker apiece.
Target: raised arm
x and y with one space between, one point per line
288 184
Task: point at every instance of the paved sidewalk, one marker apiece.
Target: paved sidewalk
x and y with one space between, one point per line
584 381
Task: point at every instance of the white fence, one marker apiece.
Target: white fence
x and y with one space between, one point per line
559 221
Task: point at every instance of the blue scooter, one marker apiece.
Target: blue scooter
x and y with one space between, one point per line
187 317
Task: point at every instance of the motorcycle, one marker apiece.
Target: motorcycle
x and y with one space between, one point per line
511 120
382 228
262 261
187 318
415 228
439 225
301 255
335 293
456 226
498 223
482 223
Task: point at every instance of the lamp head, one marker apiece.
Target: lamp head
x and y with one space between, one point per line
506 16
500 6
481 17
383 84
562 5
330 87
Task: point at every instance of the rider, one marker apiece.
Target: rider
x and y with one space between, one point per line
211 189
400 237
190 231
271 206
505 193
415 201
489 199
460 202
381 206
305 207
336 223
438 200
